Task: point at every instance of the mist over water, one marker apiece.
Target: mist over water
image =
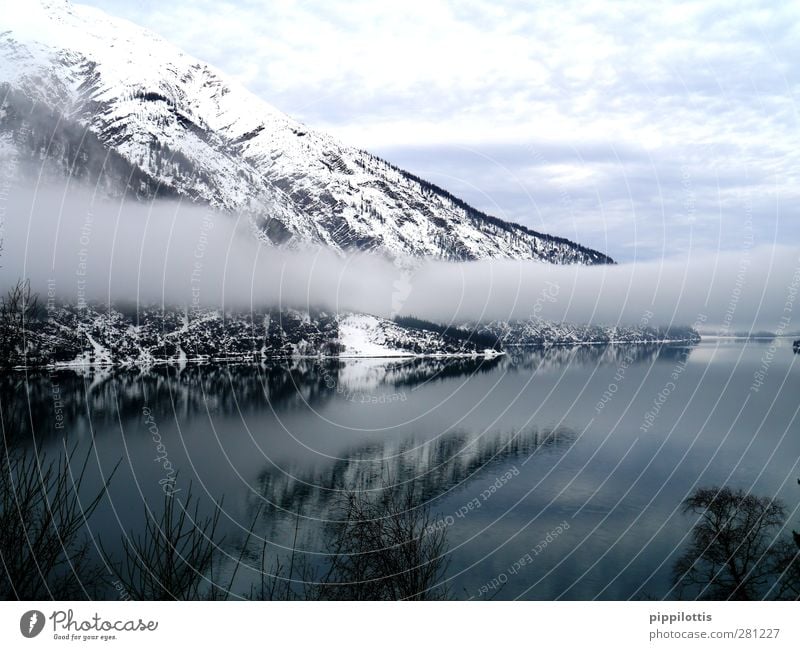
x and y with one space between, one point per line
81 247
734 291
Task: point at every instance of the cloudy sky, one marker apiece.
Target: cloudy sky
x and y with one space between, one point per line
640 129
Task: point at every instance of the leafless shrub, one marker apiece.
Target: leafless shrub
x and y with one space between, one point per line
171 558
386 548
294 578
44 551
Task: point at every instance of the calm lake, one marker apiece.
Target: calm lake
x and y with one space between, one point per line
556 474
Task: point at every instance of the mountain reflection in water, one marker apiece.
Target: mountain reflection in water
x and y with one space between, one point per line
498 454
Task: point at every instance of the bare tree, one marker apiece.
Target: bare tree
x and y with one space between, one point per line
387 547
19 309
384 545
734 552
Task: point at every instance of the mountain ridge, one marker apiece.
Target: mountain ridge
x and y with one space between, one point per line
176 126
100 335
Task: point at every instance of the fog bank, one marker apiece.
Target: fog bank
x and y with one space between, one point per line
84 248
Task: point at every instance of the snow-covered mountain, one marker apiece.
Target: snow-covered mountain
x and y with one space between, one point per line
538 332
97 336
104 100
102 336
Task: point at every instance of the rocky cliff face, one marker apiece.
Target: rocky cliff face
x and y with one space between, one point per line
108 102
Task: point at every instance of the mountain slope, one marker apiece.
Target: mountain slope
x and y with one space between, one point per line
116 105
144 336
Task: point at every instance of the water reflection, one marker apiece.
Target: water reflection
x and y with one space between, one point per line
286 447
62 400
593 355
47 402
437 468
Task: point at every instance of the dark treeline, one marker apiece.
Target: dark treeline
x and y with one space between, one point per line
480 339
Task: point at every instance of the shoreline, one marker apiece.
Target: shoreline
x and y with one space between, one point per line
250 360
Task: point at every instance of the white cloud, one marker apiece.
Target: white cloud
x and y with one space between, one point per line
67 241
701 86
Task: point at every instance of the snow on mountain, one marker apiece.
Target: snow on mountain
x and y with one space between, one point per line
362 335
538 332
99 336
109 102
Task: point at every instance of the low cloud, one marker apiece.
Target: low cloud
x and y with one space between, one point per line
736 291
81 247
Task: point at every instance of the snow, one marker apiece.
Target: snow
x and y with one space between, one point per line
139 94
363 336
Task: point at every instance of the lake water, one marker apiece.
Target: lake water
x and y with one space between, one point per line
557 474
